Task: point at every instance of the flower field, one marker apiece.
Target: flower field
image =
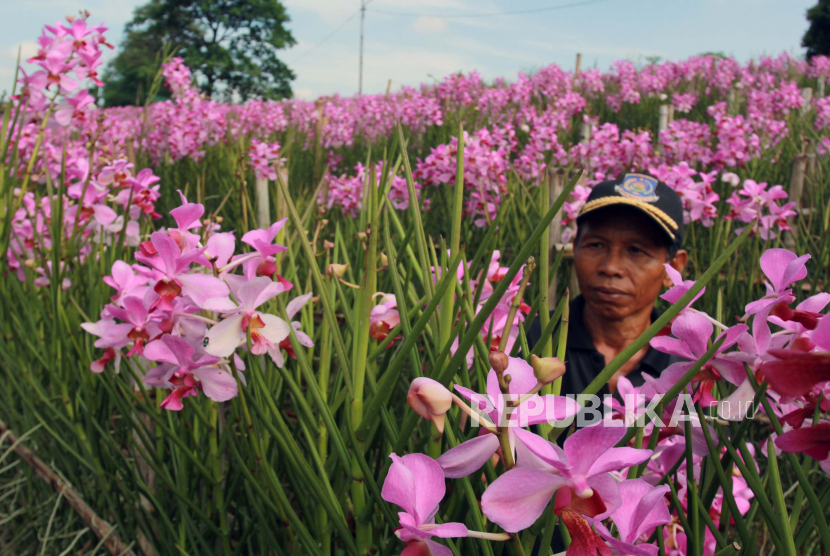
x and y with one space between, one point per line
300 327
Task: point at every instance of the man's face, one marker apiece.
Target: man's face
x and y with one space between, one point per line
619 262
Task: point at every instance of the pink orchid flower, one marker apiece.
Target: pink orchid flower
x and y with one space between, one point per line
782 268
516 499
163 255
292 309
261 239
125 281
384 317
643 509
692 331
469 456
185 376
415 483
813 441
794 373
267 331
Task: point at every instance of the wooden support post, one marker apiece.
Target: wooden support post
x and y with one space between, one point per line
281 206
263 209
820 90
671 115
796 191
663 118
388 87
578 63
556 183
585 132
318 138
807 95
732 102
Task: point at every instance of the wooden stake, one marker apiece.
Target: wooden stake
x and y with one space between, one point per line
98 526
585 132
795 192
820 91
663 118
388 87
578 63
556 183
807 95
263 212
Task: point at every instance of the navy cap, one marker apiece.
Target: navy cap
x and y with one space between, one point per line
644 193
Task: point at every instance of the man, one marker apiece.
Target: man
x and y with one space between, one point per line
628 228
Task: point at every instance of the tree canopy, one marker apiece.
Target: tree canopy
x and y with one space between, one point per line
817 38
231 46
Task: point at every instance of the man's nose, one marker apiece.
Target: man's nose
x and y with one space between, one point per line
612 264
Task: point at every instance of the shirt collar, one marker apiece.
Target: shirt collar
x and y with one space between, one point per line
579 338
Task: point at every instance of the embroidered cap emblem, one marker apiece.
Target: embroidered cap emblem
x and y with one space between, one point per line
638 187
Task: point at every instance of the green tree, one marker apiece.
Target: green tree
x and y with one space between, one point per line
817 38
230 45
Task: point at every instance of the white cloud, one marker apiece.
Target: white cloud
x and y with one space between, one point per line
429 25
27 49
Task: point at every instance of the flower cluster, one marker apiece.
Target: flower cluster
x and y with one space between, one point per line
184 307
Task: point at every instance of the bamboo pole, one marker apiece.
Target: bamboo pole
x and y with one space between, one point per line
578 63
100 527
807 96
796 191
556 183
263 212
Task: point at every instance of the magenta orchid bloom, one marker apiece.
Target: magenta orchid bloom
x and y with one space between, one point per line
415 483
184 375
516 499
795 373
692 331
124 280
643 509
267 331
782 268
261 239
813 441
680 287
471 455
165 257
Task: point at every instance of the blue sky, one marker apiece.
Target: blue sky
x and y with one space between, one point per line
427 43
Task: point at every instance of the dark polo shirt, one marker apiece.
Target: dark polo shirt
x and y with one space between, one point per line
584 362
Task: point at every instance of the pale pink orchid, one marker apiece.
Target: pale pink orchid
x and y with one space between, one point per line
415 483
384 317
469 456
184 375
304 339
125 281
267 331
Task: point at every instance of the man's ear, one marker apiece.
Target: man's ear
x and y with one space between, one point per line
678 263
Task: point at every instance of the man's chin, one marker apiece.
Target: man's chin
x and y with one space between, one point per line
610 309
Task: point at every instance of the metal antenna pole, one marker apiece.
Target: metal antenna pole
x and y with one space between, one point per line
362 18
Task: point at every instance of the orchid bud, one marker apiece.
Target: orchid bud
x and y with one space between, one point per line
327 245
337 270
429 399
499 361
547 369
29 263
384 261
363 237
219 219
